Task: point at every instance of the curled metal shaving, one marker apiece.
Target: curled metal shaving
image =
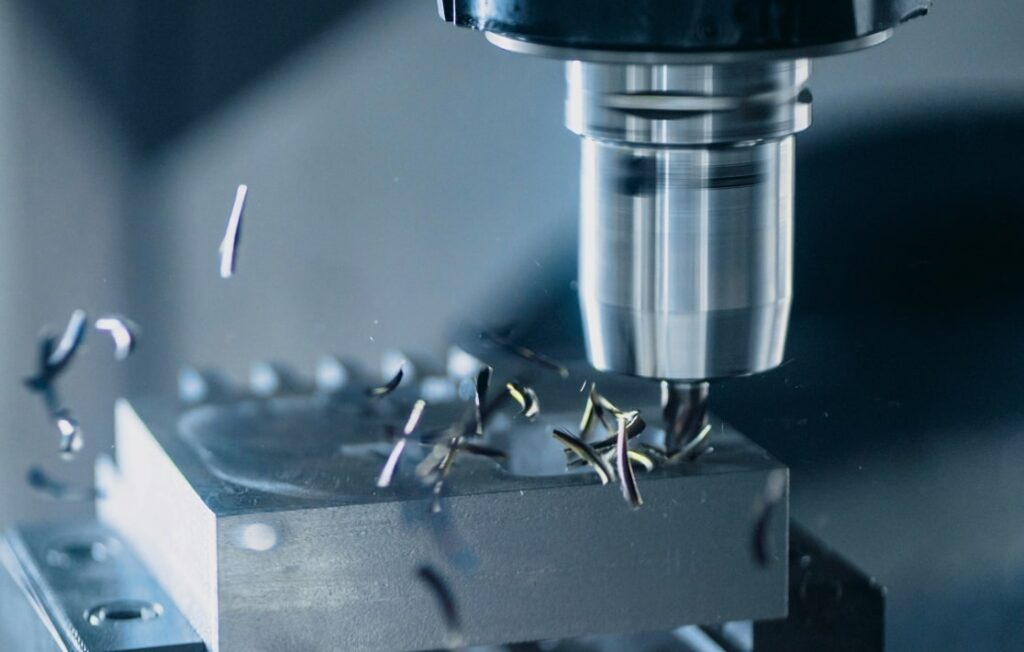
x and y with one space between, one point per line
635 425
641 459
586 453
43 382
269 379
590 415
445 599
47 343
483 382
525 397
527 354
625 470
388 387
693 449
435 467
654 452
233 234
70 433
55 357
72 339
414 417
387 474
123 331
600 409
649 460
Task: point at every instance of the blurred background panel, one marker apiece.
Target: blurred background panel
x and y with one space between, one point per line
406 177
400 175
65 178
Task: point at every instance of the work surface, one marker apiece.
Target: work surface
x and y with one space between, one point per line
526 557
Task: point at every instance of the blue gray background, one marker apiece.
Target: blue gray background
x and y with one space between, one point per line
405 175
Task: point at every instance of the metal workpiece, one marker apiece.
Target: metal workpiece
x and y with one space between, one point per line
77 587
283 540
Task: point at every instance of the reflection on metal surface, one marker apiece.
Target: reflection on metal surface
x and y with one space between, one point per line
682 58
69 343
449 609
462 364
391 465
687 113
203 386
54 359
624 467
585 453
686 213
268 379
764 511
525 397
258 537
299 446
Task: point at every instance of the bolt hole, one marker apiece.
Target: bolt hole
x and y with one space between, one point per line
123 611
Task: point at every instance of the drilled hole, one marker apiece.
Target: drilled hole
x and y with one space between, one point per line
122 611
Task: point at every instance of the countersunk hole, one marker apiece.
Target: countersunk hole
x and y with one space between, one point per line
123 610
76 552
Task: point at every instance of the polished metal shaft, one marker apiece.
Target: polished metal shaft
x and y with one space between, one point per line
686 213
